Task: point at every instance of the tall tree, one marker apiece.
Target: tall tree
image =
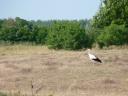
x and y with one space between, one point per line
112 11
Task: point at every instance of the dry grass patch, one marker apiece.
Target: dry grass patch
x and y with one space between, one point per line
67 73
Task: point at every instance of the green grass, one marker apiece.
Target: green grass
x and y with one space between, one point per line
3 94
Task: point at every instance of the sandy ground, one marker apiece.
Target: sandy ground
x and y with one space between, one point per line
62 73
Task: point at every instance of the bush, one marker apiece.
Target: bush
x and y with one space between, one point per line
18 30
2 94
42 35
113 35
67 35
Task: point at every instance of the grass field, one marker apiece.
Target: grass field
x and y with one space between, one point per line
62 73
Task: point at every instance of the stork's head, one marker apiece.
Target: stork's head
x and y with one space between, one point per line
88 50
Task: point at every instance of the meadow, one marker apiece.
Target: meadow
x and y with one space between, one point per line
27 70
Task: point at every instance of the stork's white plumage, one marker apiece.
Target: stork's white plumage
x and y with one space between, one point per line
93 57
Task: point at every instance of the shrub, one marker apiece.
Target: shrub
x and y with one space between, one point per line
42 35
113 35
67 35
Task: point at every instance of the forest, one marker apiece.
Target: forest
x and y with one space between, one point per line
108 27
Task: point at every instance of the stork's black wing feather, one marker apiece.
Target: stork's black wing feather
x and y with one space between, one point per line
97 59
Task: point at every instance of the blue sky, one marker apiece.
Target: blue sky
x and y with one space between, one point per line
49 9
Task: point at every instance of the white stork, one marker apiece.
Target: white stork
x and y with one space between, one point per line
93 57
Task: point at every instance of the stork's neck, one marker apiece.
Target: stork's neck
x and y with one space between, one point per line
89 51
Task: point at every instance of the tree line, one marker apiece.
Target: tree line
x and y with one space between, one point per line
108 27
57 34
